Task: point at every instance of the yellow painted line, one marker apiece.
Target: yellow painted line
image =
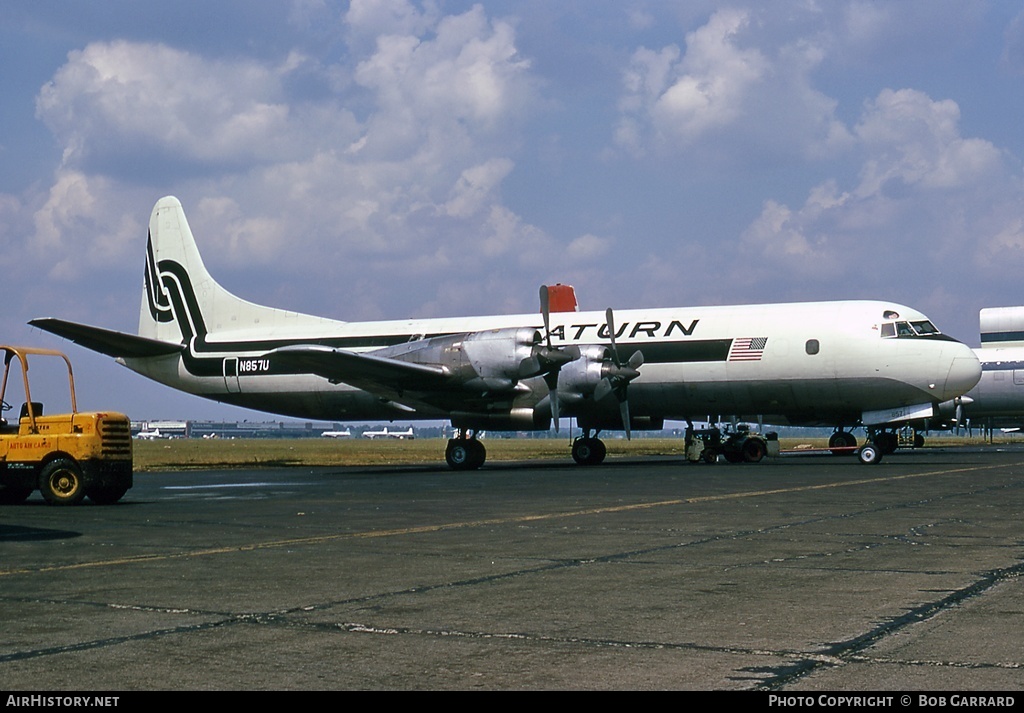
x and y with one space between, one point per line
370 534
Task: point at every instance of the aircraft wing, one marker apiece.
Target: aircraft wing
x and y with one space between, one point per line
376 374
107 341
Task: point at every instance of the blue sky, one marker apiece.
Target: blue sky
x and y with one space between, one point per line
391 159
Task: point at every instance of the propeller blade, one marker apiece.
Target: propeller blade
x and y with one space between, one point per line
530 366
619 375
545 311
552 381
611 335
549 360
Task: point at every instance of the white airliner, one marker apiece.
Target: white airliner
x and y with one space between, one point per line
150 435
802 363
336 434
385 433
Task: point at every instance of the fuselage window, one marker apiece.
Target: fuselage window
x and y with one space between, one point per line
812 346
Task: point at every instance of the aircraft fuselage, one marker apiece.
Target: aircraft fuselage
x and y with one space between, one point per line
810 363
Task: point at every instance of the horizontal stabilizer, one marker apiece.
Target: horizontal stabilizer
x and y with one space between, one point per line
107 341
365 371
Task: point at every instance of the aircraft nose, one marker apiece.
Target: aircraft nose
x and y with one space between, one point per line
964 373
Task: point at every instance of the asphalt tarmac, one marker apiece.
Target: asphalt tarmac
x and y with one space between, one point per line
793 575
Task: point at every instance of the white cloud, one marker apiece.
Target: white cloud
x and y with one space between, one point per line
728 90
373 18
385 142
587 248
928 201
79 229
469 78
115 100
916 140
475 187
296 182
683 97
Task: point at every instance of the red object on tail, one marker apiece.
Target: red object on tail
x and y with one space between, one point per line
562 298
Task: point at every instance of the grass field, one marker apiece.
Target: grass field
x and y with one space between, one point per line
180 454
184 454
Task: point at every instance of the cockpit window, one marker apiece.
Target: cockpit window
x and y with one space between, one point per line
905 330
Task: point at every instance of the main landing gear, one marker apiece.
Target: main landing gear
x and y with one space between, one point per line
842 442
465 452
588 449
879 443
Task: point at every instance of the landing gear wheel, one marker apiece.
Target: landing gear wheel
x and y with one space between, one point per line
588 451
869 454
61 482
840 440
465 454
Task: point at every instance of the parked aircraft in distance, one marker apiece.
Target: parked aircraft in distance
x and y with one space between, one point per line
336 434
150 435
385 433
801 363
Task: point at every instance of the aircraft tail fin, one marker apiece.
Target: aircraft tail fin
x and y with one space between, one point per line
1002 326
180 299
562 298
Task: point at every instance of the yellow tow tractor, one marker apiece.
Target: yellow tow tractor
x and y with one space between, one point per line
65 456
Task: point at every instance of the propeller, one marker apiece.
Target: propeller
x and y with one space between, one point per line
617 375
547 360
959 418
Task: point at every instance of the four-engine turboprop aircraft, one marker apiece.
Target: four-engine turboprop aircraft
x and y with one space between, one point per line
808 363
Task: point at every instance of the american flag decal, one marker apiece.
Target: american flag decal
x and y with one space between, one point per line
747 348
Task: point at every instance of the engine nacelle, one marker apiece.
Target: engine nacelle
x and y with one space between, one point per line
584 374
516 419
951 409
496 356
